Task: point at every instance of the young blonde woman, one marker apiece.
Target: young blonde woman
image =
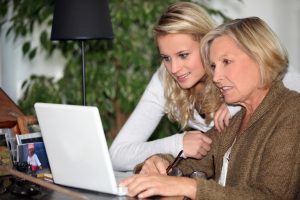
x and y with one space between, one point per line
175 90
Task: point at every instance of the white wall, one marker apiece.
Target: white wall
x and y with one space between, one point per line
15 68
282 16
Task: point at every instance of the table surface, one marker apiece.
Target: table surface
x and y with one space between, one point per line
54 193
47 194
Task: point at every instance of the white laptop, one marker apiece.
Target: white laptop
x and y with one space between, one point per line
76 147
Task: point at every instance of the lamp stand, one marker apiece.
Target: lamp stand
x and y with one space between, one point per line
83 73
91 23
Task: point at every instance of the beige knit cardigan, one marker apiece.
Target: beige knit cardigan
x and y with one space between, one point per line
265 158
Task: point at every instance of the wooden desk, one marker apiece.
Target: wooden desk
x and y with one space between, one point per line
52 195
46 194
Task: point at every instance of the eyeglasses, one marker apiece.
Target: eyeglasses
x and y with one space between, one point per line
174 171
177 159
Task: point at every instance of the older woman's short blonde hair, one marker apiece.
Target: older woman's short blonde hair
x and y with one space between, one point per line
258 40
181 18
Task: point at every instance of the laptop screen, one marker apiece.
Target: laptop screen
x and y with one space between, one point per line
76 146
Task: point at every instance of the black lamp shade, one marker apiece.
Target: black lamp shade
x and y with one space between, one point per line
81 20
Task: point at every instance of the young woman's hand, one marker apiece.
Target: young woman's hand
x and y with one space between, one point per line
221 118
144 186
155 165
196 144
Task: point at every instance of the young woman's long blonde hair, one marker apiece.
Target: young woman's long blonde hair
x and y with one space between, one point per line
182 18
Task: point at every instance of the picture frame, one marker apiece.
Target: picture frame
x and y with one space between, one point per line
23 155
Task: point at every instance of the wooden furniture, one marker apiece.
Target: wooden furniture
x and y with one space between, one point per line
24 121
11 116
9 111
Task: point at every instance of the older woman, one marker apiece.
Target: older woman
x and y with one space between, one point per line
258 156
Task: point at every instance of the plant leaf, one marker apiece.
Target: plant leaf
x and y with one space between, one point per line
32 54
26 47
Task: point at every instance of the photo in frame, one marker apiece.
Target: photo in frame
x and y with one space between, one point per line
34 154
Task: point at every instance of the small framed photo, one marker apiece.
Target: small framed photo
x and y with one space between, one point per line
34 154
